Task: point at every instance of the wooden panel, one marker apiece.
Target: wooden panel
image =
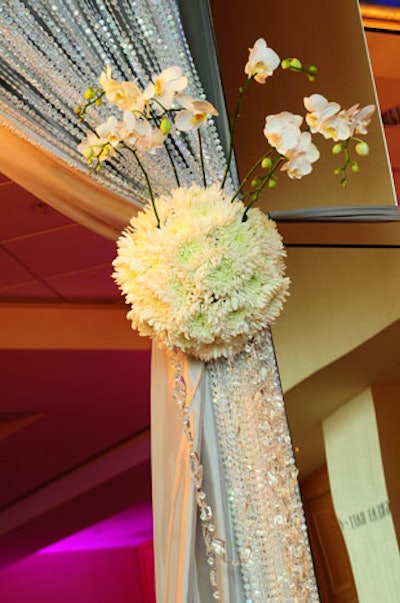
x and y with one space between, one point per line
332 565
387 408
316 36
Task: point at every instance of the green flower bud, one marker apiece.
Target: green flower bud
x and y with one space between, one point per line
285 64
362 149
355 167
255 182
165 126
88 152
336 149
99 102
337 171
312 69
104 153
272 183
89 94
295 64
311 78
266 163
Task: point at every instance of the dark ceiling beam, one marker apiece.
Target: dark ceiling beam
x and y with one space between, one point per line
66 326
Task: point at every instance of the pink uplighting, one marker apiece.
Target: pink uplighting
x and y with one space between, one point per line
130 528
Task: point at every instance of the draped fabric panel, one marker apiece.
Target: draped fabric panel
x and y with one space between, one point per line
180 557
69 191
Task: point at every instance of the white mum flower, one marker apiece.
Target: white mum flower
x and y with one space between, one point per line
205 281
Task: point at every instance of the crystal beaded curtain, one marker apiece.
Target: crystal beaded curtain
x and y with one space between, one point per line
52 50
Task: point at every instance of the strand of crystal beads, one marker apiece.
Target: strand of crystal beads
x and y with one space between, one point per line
52 51
261 477
215 547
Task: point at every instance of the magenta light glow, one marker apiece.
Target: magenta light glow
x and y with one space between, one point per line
126 529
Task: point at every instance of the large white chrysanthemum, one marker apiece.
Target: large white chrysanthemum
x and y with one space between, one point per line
205 281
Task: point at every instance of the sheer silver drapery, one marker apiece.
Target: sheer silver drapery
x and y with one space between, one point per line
53 50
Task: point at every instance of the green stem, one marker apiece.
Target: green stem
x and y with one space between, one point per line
202 158
242 90
265 181
248 176
91 102
171 159
150 189
157 118
346 163
346 154
165 110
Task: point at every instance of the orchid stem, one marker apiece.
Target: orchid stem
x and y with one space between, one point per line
172 164
242 90
248 176
202 158
153 204
266 179
156 118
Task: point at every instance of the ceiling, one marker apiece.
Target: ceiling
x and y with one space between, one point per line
77 397
46 257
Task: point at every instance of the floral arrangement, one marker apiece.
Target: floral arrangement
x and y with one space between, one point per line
203 270
204 281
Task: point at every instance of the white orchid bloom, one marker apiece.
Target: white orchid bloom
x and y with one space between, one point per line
283 130
361 119
262 61
91 145
319 109
337 127
126 95
140 134
301 157
165 85
297 167
95 148
109 131
148 138
127 127
193 114
105 79
327 118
